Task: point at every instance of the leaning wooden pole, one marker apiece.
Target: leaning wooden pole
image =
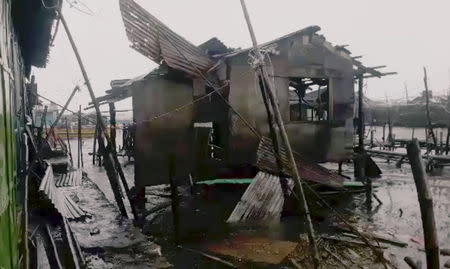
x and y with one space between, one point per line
109 161
52 127
284 136
426 205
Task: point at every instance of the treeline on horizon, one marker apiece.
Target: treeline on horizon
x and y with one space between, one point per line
407 115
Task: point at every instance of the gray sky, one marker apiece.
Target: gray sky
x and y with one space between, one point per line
405 35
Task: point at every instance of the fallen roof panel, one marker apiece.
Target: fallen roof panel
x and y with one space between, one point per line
153 39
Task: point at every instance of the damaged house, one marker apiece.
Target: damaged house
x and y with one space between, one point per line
203 106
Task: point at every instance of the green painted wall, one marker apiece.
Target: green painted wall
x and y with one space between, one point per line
11 83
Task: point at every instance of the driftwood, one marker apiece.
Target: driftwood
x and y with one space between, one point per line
426 205
209 256
445 251
353 242
380 238
337 258
295 263
413 264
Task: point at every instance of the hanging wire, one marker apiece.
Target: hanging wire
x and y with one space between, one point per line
76 3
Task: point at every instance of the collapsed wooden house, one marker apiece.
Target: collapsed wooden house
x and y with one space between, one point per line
199 103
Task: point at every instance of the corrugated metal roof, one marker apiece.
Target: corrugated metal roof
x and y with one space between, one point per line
69 179
263 200
308 171
63 204
153 39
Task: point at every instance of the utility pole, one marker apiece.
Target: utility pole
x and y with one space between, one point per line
267 91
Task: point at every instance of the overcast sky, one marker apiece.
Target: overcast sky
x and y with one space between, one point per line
405 35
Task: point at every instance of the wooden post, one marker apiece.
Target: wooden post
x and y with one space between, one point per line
359 163
112 166
41 129
384 134
79 137
412 135
362 154
95 144
295 174
68 143
441 144
112 125
390 137
99 136
426 205
273 134
427 99
360 114
371 138
175 198
448 138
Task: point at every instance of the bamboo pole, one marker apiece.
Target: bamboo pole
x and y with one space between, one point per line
426 205
284 136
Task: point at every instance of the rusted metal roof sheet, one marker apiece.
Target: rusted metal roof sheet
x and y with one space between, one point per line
153 39
63 204
69 179
308 171
262 201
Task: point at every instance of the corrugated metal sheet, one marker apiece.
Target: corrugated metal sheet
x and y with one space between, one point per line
308 171
262 201
64 204
69 179
153 39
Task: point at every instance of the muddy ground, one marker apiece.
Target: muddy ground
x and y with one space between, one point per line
110 241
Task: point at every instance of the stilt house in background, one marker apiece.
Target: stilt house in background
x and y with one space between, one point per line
185 107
